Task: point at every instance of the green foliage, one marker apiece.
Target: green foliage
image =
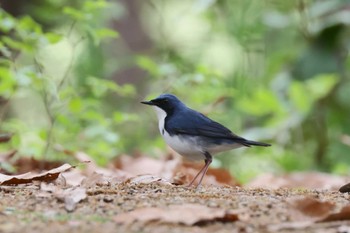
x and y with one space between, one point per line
273 71
68 116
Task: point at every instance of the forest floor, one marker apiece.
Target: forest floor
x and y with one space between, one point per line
162 207
54 197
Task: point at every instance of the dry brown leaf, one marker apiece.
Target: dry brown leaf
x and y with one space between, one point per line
307 211
30 177
345 188
139 165
6 156
71 196
146 179
100 180
343 214
30 164
310 209
73 177
5 137
92 168
188 214
311 180
289 225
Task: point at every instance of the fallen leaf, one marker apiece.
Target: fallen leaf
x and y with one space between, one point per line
306 211
289 226
343 214
71 196
188 214
310 180
308 208
5 161
345 188
5 156
100 180
5 137
29 164
92 168
146 179
46 190
73 177
30 177
139 165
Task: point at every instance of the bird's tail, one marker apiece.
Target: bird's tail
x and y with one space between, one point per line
253 143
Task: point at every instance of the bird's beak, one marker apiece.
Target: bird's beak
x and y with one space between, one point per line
147 102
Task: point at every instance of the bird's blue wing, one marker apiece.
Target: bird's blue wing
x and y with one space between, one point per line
193 123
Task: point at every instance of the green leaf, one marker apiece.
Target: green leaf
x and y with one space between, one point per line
121 117
43 134
75 105
6 52
300 97
304 94
262 102
100 87
73 13
28 25
92 115
126 90
106 33
147 64
7 24
8 83
53 37
90 6
13 44
320 85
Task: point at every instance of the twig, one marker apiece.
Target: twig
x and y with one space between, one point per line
48 100
70 64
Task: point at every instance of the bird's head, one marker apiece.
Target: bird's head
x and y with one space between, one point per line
166 102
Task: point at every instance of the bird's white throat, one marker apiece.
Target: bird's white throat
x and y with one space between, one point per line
161 114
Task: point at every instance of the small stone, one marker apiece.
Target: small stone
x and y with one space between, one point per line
108 199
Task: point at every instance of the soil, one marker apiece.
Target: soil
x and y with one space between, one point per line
25 209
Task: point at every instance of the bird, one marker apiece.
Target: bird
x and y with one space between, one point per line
192 134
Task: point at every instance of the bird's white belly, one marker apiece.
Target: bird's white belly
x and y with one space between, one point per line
185 147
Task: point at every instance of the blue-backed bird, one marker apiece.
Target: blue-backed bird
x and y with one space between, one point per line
192 134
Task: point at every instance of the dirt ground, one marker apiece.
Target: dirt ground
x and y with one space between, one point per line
25 209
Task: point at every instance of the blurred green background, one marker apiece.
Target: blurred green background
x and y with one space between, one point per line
72 74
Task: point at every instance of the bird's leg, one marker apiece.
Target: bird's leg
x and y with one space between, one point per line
202 169
208 160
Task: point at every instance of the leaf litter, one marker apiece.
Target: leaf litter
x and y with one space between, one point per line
188 214
29 177
128 199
